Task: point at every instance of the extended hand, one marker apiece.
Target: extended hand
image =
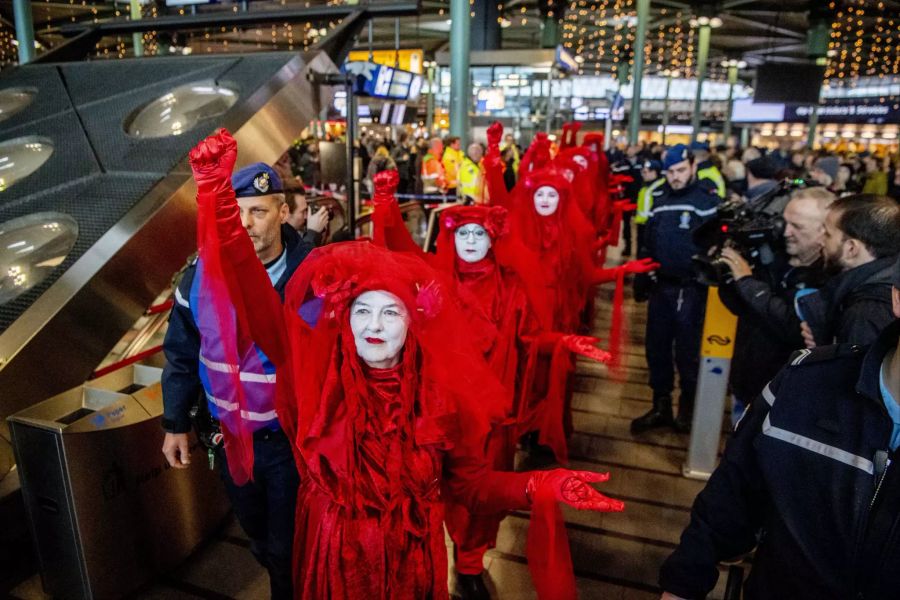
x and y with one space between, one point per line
738 265
641 265
573 488
212 162
385 183
808 339
584 345
494 134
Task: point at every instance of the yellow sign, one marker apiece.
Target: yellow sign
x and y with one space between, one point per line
408 60
719 327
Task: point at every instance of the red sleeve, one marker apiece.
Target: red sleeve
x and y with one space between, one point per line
493 177
388 228
474 485
256 302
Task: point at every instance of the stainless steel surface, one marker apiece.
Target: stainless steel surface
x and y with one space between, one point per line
30 248
20 157
15 99
181 109
106 512
76 322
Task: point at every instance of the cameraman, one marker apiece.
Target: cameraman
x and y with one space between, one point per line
677 299
862 238
769 329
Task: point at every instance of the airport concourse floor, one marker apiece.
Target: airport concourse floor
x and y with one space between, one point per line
616 556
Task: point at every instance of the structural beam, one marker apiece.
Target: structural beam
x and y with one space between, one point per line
640 36
702 57
24 30
732 80
460 92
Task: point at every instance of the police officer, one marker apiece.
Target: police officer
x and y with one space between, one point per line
196 364
705 167
651 175
677 300
811 479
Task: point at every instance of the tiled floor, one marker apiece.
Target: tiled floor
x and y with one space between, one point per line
616 556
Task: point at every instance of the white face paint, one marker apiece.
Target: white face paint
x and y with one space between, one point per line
546 200
379 322
581 161
472 242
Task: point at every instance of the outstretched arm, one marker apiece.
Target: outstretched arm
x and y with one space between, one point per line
493 168
641 265
227 251
388 229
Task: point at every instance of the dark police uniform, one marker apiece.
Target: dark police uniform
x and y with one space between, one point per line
264 506
677 300
809 479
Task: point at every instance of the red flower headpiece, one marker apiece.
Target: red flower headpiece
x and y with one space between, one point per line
492 218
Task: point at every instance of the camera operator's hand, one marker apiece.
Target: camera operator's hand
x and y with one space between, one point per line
740 268
808 340
317 221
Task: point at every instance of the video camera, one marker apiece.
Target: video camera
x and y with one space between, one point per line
746 227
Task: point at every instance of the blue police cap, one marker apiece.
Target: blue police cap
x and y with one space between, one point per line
699 146
258 179
653 165
675 155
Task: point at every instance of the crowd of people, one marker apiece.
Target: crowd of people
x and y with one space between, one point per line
358 396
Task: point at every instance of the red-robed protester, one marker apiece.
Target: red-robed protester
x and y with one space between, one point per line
386 404
473 248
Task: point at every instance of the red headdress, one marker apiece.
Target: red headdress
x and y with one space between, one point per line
569 135
537 156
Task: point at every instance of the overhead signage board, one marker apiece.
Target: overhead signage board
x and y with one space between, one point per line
405 60
747 111
379 81
565 62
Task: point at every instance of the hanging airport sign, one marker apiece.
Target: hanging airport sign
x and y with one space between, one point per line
876 113
565 62
380 81
407 60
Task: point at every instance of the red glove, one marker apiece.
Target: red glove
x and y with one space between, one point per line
385 183
623 206
212 162
584 345
573 488
494 134
642 265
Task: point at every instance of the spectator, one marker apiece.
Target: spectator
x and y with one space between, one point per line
309 164
310 225
651 174
735 174
824 171
844 180
860 244
510 167
401 156
509 143
807 479
875 177
433 178
763 299
452 160
752 153
894 183
471 175
677 300
705 167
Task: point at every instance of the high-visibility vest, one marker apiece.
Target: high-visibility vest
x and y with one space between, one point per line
471 180
452 161
713 174
432 175
645 201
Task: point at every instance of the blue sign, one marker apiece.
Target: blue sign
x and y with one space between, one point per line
380 81
565 62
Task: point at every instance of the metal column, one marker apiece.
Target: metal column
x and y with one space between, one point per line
352 196
24 30
429 101
665 115
137 38
732 79
702 56
640 36
813 123
460 93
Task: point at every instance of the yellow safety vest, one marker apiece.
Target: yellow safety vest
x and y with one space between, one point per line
645 201
470 180
713 174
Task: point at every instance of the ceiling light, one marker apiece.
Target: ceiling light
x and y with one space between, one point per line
715 22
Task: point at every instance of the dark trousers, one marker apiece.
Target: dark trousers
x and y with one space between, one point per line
265 506
675 321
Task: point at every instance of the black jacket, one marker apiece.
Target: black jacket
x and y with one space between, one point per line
181 384
798 481
852 307
768 328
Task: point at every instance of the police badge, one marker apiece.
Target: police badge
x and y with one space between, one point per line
261 183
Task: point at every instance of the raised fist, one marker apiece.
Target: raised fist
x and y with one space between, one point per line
584 345
573 488
385 183
494 134
212 162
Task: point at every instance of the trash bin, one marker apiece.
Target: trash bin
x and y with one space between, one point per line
107 512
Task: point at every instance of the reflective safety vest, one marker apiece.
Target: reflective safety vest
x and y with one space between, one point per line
645 201
471 180
452 161
713 174
255 372
433 181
